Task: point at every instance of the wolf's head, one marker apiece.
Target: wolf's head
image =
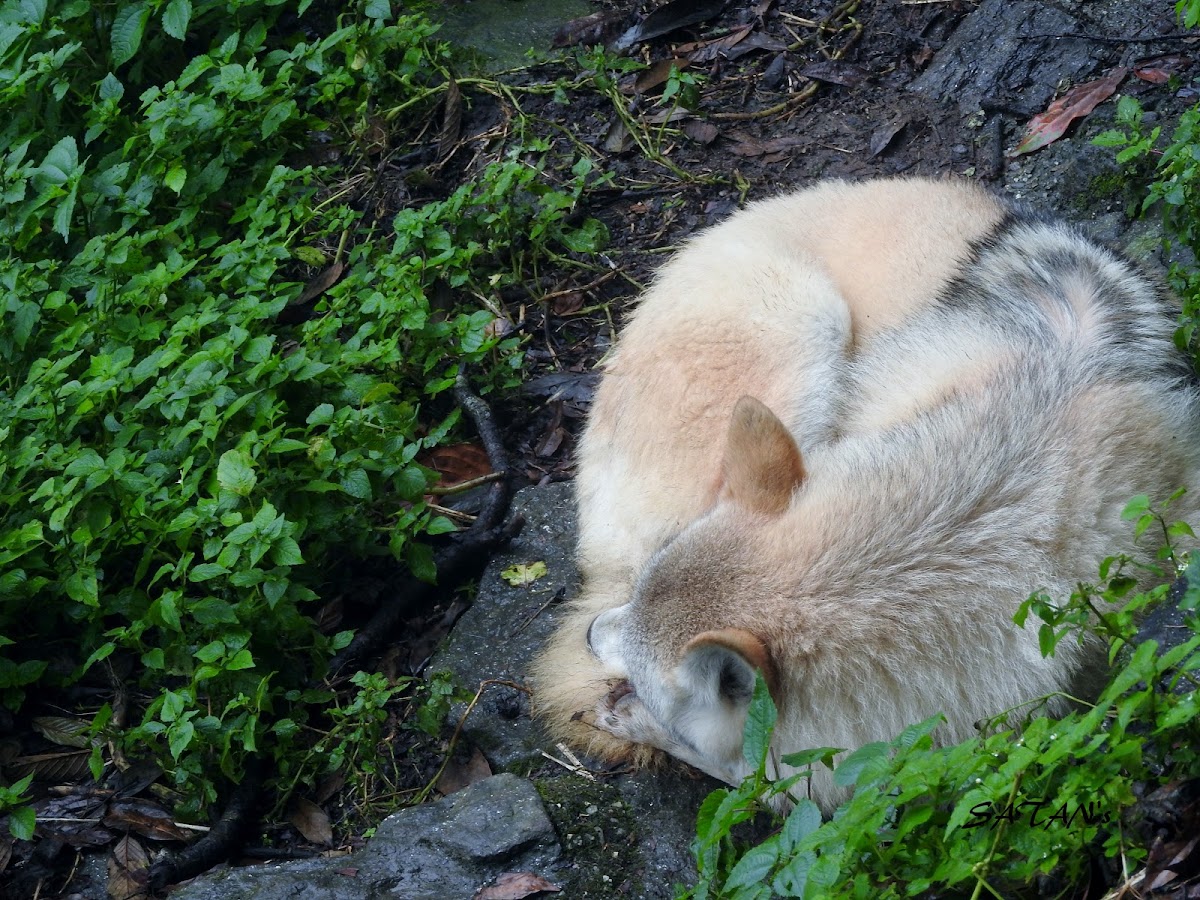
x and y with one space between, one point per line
681 642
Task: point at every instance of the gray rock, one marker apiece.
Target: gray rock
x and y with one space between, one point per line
506 625
1006 49
626 835
440 851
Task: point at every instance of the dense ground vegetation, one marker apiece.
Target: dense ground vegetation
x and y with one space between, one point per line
218 367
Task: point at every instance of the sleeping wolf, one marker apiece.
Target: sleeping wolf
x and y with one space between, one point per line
842 437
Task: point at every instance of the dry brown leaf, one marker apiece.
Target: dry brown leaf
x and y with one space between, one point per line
882 137
452 116
834 71
1160 69
701 132
655 76
516 886
62 766
598 28
330 785
63 731
1049 126
707 51
6 846
320 284
144 817
128 870
310 820
456 464
457 776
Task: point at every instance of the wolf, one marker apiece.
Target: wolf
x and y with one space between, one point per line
842 437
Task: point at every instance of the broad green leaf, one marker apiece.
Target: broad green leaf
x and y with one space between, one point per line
175 18
864 766
175 178
235 472
760 725
129 25
21 822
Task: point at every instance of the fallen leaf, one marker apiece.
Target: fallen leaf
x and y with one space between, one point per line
320 284
456 464
452 115
515 886
6 847
756 41
63 731
457 776
701 132
128 870
1160 69
144 817
1049 126
66 765
310 820
349 872
598 28
521 573
882 137
573 387
617 139
922 56
648 79
667 18
330 785
707 51
834 71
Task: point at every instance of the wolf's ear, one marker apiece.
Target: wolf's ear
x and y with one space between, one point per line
762 465
720 664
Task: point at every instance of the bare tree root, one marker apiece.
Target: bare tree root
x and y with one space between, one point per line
467 551
222 841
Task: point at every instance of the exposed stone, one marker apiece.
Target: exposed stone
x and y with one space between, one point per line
445 850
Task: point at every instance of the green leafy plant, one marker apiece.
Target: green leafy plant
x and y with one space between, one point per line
184 464
987 817
14 806
1173 187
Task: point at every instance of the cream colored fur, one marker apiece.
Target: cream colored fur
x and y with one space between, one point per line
843 436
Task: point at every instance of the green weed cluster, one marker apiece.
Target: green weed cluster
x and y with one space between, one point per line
1010 813
1173 187
179 470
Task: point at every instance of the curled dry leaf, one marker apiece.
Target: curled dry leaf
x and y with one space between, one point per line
834 71
1047 127
516 886
311 821
64 766
656 76
701 132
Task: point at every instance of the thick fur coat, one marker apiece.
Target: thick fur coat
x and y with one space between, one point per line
844 435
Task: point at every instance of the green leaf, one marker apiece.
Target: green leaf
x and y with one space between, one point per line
286 552
760 724
176 17
129 25
21 822
206 571
211 651
180 737
235 472
211 611
802 821
864 766
111 88
754 866
240 660
175 178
